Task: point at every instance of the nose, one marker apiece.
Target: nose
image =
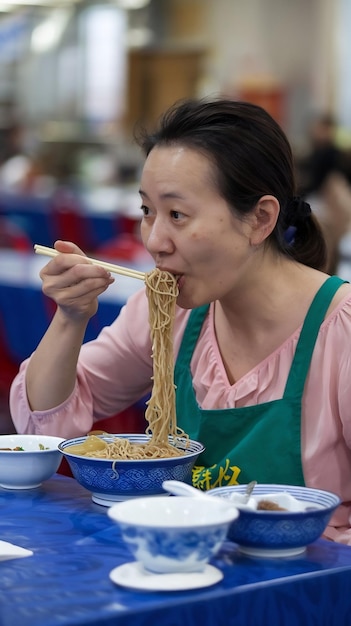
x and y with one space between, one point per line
156 237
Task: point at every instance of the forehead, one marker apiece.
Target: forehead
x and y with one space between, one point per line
177 163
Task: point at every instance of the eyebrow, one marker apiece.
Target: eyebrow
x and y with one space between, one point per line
164 196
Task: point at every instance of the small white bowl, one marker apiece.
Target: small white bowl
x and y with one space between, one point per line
173 535
28 468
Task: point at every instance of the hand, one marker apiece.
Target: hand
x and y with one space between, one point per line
73 282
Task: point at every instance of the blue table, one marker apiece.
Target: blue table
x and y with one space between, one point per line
66 581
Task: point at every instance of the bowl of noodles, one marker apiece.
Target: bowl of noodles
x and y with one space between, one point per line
116 467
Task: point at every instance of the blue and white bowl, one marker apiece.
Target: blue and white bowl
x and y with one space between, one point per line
36 461
279 533
112 481
173 535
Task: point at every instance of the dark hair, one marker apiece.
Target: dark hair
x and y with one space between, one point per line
252 157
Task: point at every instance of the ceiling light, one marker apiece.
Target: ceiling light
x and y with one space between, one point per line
10 4
132 4
48 33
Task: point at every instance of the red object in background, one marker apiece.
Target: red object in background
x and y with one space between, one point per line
13 237
67 221
8 371
124 247
8 366
272 98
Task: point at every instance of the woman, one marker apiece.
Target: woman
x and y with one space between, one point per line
261 337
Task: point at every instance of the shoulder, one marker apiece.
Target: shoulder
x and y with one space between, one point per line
341 301
335 332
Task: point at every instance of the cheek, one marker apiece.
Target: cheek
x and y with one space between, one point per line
144 232
203 250
205 237
201 245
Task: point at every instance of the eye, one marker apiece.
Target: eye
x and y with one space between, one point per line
176 215
144 210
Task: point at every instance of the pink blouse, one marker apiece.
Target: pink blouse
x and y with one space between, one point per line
114 371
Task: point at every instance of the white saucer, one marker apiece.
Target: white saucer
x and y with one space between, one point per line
99 498
271 553
133 576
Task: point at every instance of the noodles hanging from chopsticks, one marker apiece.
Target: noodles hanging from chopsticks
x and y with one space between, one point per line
162 292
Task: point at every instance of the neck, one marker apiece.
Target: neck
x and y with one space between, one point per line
277 294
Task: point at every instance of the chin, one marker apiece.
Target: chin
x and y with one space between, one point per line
190 302
185 303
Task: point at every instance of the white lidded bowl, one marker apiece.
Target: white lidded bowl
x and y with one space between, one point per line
173 535
28 468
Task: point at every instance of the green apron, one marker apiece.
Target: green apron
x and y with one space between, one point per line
260 442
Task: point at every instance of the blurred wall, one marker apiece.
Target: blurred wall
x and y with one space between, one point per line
282 44
286 53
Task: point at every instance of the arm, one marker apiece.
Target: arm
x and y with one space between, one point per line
113 372
74 284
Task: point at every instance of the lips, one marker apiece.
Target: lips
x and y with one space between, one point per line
166 269
179 278
176 275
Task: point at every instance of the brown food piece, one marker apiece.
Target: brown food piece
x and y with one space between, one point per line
267 505
98 432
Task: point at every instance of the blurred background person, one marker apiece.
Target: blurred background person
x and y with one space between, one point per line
323 158
323 175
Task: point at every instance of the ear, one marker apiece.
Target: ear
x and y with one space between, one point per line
263 219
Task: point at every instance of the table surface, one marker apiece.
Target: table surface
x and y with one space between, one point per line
75 544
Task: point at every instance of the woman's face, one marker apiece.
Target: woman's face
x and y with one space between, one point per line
189 229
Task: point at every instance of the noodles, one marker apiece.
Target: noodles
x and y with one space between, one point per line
162 292
122 449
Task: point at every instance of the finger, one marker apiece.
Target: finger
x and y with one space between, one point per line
65 263
68 287
67 246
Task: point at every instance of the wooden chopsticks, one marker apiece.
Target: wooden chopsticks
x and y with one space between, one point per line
110 267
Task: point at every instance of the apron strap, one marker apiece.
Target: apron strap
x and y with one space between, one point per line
191 334
308 336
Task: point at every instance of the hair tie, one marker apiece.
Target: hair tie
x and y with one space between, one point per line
289 235
298 209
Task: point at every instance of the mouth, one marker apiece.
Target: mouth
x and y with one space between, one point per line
179 281
166 269
176 275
